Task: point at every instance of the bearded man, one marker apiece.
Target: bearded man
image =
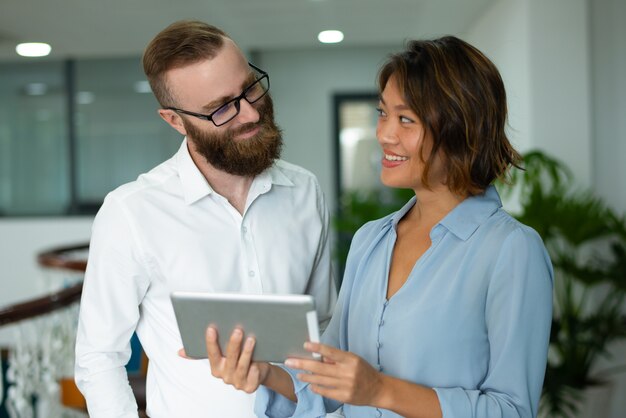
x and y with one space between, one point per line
224 214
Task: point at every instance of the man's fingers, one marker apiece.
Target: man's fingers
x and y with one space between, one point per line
246 354
243 365
233 351
212 348
182 354
252 383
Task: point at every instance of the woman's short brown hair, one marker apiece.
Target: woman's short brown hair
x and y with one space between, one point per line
459 96
182 43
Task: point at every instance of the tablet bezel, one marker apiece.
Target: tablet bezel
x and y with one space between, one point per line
280 323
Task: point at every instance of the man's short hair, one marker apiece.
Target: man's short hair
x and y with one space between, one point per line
182 43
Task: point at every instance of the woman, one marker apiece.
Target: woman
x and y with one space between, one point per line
445 308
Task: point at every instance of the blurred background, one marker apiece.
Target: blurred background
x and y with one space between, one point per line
81 121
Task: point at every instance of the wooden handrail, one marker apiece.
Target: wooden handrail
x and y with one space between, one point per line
57 258
40 306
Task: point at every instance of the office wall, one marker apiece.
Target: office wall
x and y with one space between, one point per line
560 82
511 53
608 52
303 82
608 110
541 49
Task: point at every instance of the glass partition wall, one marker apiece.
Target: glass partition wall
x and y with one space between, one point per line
60 156
34 165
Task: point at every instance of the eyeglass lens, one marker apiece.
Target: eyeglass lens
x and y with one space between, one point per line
231 109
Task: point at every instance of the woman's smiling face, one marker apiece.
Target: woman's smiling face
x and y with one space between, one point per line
404 142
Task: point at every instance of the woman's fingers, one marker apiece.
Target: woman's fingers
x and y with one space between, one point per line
342 375
312 366
321 380
331 358
327 392
330 354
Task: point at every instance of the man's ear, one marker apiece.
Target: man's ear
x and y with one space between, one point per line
173 119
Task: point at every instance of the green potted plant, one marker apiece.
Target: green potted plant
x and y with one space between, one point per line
587 244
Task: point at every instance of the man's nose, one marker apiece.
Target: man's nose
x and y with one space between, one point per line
247 113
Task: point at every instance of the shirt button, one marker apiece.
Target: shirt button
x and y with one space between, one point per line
244 229
251 273
378 345
381 323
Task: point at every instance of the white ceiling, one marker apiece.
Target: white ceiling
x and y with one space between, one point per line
97 28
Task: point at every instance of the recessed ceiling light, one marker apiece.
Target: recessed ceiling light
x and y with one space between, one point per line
330 36
33 49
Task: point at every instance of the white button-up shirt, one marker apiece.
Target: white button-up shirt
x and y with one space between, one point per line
169 231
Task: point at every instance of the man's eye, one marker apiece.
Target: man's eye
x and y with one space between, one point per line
224 110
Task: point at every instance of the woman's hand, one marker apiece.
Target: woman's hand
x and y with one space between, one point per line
341 375
237 368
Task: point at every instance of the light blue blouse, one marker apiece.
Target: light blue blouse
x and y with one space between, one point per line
472 321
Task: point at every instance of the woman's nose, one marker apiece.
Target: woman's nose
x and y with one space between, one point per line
386 133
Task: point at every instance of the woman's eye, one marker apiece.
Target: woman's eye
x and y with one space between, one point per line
404 119
380 112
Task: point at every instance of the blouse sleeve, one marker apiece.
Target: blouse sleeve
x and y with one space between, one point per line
271 404
518 318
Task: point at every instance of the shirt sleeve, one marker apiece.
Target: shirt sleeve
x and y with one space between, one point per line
321 282
115 283
518 319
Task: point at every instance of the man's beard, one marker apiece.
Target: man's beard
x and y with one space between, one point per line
241 157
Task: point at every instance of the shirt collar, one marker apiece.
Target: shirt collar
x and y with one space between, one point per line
466 217
195 186
276 176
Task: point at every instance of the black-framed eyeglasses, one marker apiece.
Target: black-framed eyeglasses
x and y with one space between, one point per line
229 110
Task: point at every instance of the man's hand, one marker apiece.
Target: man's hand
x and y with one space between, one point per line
237 368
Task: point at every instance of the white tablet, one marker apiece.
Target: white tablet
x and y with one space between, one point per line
280 323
